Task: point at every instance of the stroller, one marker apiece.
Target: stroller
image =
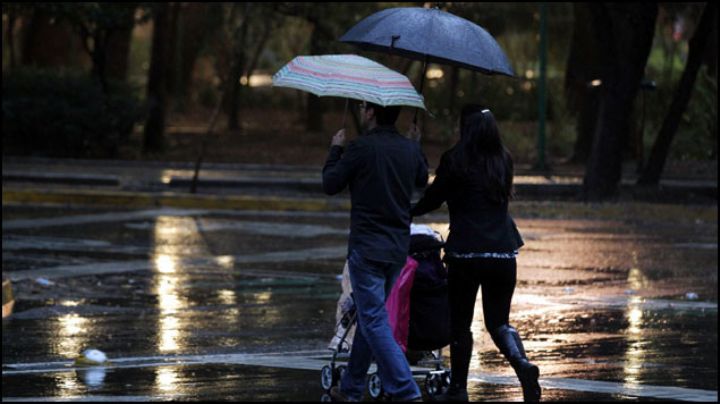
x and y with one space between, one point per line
422 334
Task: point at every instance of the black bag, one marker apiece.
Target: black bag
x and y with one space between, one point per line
429 326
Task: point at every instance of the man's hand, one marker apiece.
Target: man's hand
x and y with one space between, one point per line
339 138
415 133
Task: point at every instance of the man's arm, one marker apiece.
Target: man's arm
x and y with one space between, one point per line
340 166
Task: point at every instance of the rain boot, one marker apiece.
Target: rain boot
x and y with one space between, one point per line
507 339
460 352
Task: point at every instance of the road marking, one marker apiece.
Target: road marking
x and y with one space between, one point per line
315 360
251 227
98 268
698 246
104 399
98 218
639 390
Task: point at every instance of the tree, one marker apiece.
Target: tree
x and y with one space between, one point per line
581 70
329 21
105 30
154 132
46 40
625 31
11 11
171 73
196 24
237 48
237 63
698 45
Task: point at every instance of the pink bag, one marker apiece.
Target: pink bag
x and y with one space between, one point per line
398 303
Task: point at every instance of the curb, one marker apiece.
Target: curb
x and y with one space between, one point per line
61 178
167 199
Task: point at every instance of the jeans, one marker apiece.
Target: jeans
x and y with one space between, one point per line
371 283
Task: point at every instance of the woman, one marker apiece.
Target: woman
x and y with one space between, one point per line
475 178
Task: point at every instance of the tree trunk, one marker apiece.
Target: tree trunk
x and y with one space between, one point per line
237 65
118 45
118 51
406 66
581 97
48 44
156 90
315 108
711 54
11 38
452 100
95 43
258 51
452 95
586 122
195 25
661 148
172 78
628 29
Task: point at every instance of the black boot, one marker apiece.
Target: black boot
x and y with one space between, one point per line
507 339
460 352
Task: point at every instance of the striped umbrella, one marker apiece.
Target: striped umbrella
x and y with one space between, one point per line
348 76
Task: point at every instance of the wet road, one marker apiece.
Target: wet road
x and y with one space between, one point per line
219 305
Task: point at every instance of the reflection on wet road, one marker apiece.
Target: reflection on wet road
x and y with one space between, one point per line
195 304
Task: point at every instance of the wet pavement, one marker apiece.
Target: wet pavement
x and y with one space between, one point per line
193 304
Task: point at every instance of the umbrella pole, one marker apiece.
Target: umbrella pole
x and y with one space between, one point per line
347 100
422 83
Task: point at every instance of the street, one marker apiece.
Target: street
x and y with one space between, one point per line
197 304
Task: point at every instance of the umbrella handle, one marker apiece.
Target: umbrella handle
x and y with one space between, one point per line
422 83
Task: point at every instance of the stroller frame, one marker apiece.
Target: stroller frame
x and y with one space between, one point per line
437 377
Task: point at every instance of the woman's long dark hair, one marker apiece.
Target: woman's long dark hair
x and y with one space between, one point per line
481 154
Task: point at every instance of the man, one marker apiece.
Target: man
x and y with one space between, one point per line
381 168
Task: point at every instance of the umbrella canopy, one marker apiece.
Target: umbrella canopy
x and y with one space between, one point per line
430 35
348 76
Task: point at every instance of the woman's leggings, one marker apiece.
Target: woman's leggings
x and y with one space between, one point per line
497 278
465 276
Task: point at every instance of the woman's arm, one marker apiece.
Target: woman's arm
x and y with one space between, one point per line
435 194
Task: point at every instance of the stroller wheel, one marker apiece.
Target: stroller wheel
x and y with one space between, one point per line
374 386
433 384
325 398
447 376
327 378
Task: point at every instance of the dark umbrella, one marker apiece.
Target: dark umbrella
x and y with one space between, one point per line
430 35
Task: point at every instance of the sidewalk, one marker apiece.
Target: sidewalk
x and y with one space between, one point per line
256 186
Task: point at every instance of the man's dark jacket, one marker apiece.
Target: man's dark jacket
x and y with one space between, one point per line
382 168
